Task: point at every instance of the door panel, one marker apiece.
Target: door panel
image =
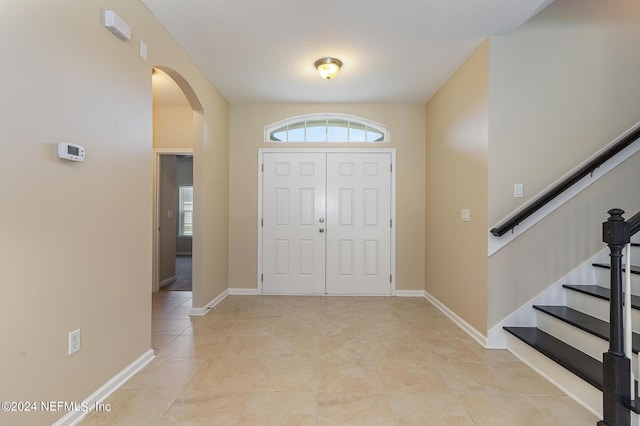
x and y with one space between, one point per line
358 223
293 248
352 191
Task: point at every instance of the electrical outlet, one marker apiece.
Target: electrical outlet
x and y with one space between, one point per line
74 341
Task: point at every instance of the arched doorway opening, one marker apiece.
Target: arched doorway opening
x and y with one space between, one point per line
178 126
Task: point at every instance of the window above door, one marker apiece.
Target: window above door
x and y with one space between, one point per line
329 128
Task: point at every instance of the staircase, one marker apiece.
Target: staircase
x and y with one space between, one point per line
573 336
572 343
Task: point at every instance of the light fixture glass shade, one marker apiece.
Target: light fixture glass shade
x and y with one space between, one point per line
328 67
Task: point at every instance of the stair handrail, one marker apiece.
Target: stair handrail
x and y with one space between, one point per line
618 394
586 169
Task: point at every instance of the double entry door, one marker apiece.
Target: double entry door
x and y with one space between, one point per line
326 225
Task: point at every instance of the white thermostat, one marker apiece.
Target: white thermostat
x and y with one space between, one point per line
70 151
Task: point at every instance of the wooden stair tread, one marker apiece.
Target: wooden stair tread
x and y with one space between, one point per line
635 269
600 292
592 325
579 363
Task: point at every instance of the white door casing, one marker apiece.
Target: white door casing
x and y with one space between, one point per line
351 250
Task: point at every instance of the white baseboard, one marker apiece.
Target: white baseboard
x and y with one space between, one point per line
168 281
465 326
243 291
409 293
398 293
254 292
75 417
198 312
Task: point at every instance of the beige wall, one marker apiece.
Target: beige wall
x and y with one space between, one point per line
406 124
561 87
168 224
66 78
211 204
552 94
210 141
172 112
173 127
456 178
560 243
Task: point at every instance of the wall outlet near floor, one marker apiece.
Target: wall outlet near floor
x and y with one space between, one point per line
74 341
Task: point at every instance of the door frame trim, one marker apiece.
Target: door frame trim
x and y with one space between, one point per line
391 151
157 153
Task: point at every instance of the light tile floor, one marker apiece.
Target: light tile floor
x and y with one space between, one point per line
276 360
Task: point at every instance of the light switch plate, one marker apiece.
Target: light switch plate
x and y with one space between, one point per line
465 215
518 190
74 341
143 50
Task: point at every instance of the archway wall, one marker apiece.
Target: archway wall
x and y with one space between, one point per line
84 260
210 140
210 145
184 85
172 110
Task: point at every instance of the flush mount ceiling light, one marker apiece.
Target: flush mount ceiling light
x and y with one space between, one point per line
328 67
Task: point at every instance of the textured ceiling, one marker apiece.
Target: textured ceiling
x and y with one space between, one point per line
393 51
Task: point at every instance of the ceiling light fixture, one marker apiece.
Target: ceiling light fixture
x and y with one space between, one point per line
328 67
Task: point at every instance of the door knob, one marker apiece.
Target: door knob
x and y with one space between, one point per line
321 230
321 220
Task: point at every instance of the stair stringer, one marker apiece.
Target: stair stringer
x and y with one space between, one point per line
555 294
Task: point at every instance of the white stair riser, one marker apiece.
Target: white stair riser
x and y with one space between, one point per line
603 278
579 339
597 307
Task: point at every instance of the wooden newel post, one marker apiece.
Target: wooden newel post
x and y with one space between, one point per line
616 375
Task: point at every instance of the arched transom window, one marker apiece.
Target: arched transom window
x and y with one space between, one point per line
326 128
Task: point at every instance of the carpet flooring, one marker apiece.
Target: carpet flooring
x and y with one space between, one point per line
183 275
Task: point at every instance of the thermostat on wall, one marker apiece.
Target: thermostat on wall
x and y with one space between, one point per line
70 151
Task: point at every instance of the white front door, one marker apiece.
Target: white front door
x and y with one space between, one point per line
326 223
358 224
293 246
